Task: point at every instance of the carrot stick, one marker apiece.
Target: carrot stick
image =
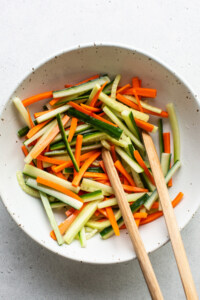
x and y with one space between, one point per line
69 163
37 98
29 117
83 169
59 174
112 220
113 153
70 211
137 221
155 205
68 85
134 189
49 138
158 214
138 102
125 181
144 92
25 151
123 88
136 82
77 154
127 101
122 170
50 160
41 113
39 165
87 112
54 101
102 165
95 175
36 128
96 96
72 129
142 164
97 213
58 187
88 79
144 125
90 108
65 225
166 140
140 215
103 212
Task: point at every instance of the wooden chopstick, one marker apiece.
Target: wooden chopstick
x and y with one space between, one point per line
138 245
170 219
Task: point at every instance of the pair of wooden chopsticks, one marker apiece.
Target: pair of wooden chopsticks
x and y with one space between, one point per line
170 220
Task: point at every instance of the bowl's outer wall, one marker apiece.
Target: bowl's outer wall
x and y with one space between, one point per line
72 67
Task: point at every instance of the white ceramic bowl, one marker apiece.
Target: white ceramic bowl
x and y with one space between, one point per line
73 66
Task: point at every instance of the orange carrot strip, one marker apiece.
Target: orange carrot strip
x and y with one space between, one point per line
39 164
50 160
90 108
37 98
144 125
68 85
83 169
97 213
59 174
87 112
113 153
166 140
155 205
77 154
54 101
70 211
140 215
103 212
96 96
134 189
102 165
88 79
123 88
142 164
58 187
127 101
144 92
138 102
29 117
69 163
122 170
112 220
135 82
125 181
36 128
25 151
72 129
137 221
41 113
158 214
95 175
65 225
49 138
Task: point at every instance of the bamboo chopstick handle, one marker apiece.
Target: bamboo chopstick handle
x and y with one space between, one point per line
138 245
170 219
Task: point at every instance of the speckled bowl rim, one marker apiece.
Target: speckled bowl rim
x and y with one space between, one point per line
90 45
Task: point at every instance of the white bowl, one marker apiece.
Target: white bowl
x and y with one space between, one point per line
73 66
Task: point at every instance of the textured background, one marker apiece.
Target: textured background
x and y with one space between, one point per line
30 31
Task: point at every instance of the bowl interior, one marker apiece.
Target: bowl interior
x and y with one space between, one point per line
73 66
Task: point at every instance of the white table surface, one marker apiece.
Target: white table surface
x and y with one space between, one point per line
30 31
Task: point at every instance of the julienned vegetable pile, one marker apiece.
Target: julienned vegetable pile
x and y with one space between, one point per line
63 164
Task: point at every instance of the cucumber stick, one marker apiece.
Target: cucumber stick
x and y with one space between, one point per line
66 143
130 122
165 162
89 185
154 195
58 204
175 130
93 196
117 121
35 172
28 190
52 113
112 131
81 88
79 129
82 237
93 93
51 217
103 224
160 132
80 221
23 131
113 104
115 85
133 164
113 201
58 195
22 110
